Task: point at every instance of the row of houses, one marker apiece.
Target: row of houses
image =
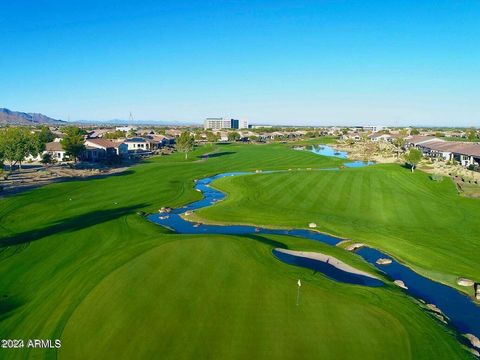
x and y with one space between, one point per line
248 135
99 149
466 154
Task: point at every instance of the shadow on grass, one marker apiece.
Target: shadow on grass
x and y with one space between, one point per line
218 154
68 225
223 143
7 305
407 166
264 240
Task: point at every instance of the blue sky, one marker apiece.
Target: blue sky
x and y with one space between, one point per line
289 62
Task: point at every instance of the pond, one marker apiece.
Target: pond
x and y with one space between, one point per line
326 150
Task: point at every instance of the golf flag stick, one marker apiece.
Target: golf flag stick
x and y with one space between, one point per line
299 283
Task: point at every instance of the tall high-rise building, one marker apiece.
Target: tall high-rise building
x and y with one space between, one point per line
225 123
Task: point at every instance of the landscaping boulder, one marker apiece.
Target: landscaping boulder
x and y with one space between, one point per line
474 352
434 308
355 246
383 261
401 284
465 282
473 340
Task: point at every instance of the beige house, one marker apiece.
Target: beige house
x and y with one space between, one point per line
55 149
97 149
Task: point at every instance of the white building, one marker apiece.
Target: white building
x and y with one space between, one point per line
225 123
126 128
261 126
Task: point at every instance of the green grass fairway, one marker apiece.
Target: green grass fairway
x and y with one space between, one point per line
422 222
78 264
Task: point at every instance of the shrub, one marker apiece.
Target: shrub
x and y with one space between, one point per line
436 177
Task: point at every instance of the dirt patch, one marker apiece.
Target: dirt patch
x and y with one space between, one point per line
32 175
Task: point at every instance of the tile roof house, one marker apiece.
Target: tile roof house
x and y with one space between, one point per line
55 149
97 149
138 144
379 136
464 153
173 132
164 140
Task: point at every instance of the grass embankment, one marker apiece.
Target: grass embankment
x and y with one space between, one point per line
78 264
420 221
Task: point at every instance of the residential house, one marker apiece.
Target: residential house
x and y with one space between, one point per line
465 154
100 149
379 136
163 140
55 149
127 129
138 144
173 132
98 133
419 141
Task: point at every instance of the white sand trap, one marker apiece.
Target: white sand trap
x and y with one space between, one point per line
327 258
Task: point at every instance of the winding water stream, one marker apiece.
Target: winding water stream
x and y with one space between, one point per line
462 312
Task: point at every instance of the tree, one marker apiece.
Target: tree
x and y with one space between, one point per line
68 129
47 159
114 134
398 143
45 135
73 142
37 144
413 157
471 135
185 143
16 143
212 137
414 132
233 136
2 155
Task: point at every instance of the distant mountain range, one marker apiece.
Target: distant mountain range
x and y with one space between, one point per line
9 117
